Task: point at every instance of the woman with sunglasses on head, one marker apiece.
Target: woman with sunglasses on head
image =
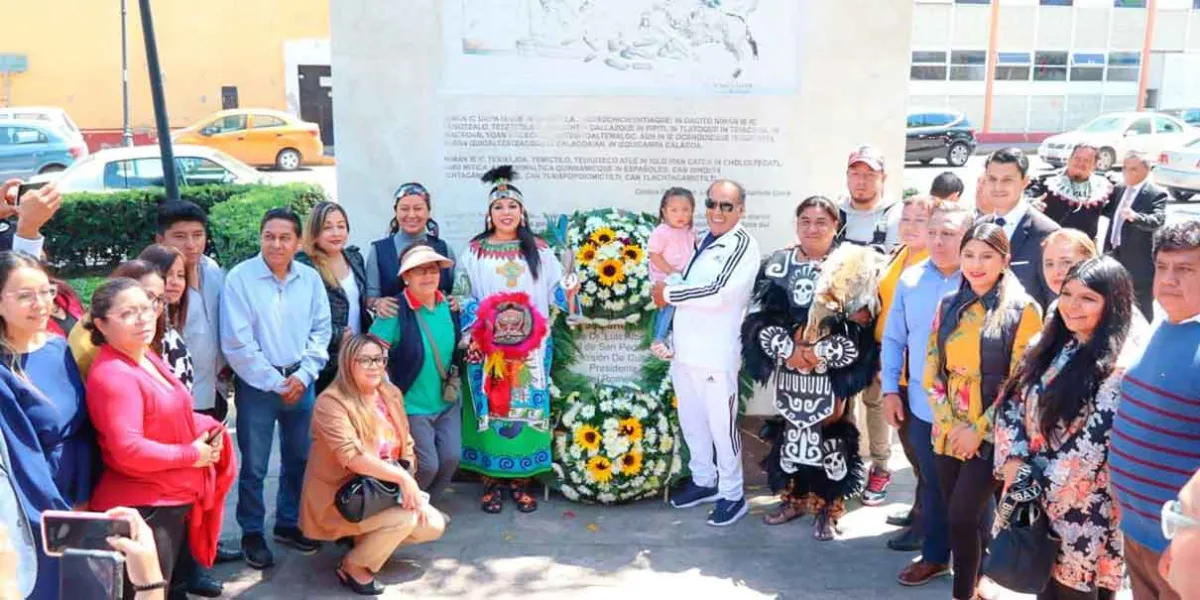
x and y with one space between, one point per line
979 335
422 343
410 223
783 296
43 416
344 275
506 432
1055 417
360 429
173 465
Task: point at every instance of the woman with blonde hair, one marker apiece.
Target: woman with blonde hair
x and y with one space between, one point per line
1062 250
980 332
360 428
344 273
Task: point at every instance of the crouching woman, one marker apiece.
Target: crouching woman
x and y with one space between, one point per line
360 428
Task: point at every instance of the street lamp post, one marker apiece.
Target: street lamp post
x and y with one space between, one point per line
126 130
160 103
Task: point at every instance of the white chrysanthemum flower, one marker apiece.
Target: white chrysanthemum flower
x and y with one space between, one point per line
590 287
588 411
604 294
606 498
606 407
569 492
617 305
585 301
620 289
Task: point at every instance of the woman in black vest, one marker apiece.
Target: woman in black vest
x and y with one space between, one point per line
979 335
422 342
411 223
342 270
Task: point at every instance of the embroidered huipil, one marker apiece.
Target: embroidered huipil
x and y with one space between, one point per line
1078 499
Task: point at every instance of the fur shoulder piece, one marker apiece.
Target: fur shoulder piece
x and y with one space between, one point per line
849 282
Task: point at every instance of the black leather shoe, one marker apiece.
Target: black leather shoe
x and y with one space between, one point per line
909 540
227 552
255 549
901 520
292 538
202 584
371 588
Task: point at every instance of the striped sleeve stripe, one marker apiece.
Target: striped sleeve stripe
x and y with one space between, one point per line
1155 409
1155 447
1140 479
1139 496
1144 425
1161 392
739 251
1152 465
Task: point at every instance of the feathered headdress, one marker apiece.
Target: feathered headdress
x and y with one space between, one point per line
849 281
501 179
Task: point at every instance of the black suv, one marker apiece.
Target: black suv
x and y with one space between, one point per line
939 134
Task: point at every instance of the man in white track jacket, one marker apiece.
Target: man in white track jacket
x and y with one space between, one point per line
709 307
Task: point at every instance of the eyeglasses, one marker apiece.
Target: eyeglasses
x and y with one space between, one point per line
134 314
159 302
29 298
372 362
725 207
1174 521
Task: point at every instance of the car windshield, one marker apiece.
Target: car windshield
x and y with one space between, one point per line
244 172
1103 125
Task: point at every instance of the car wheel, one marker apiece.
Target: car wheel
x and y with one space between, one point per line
287 160
1181 195
52 169
1106 159
958 154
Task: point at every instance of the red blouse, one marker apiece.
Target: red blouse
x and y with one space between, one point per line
145 433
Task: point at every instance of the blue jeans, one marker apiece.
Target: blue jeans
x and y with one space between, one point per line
662 323
934 525
257 412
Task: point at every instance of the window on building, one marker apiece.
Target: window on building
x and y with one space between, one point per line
1013 66
1129 3
968 65
1087 66
1056 2
1123 66
928 66
1049 66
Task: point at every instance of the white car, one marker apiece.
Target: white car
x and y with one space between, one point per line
57 116
1117 133
1179 170
119 169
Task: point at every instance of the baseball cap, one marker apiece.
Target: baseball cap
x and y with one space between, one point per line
868 155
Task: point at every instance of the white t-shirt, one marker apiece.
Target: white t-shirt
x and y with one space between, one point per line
354 317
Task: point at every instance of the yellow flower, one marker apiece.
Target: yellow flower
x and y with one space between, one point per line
599 469
631 428
674 401
611 272
631 464
586 254
603 236
633 253
587 437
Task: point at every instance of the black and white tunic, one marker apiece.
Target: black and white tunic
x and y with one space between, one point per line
177 357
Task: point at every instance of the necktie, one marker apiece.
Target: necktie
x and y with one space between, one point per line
1118 221
1000 221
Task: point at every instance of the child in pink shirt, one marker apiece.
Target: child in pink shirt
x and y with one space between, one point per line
671 247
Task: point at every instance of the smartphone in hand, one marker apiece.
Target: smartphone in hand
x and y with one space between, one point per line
69 530
28 187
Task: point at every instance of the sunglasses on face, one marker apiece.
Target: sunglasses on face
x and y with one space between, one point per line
725 207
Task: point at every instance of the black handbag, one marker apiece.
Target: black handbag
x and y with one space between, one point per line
364 497
1023 549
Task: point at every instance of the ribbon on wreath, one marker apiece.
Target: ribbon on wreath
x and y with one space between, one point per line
507 330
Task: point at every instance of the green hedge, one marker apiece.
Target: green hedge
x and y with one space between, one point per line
235 222
92 233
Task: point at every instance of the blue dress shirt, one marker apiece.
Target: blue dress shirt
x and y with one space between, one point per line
909 324
267 323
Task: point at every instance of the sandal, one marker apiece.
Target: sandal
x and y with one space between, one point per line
492 501
825 527
786 513
525 501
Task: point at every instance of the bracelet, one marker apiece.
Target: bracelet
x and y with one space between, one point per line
158 585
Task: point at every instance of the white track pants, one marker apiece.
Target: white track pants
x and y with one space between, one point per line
708 407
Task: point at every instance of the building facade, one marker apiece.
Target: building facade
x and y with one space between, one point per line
1057 63
263 53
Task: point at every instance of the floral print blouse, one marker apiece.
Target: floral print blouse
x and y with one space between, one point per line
1078 500
957 394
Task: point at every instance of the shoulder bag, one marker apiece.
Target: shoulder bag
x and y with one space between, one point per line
1023 549
451 384
364 496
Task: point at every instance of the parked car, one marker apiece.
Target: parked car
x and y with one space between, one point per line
1178 170
939 134
57 116
28 148
138 167
1191 116
1117 133
258 137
